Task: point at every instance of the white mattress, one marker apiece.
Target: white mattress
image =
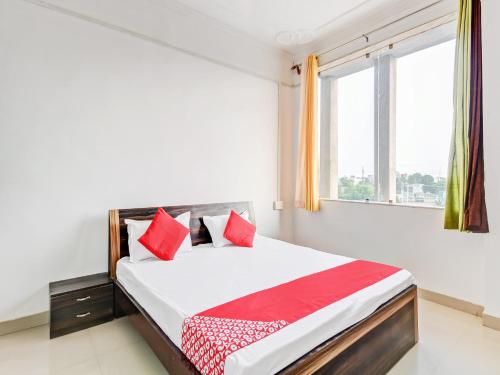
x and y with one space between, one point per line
207 277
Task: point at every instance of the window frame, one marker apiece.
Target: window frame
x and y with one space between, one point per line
384 126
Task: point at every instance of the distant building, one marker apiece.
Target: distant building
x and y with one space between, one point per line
416 189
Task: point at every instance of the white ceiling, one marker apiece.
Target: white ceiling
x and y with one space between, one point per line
264 19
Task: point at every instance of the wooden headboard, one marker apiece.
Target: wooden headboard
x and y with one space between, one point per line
118 237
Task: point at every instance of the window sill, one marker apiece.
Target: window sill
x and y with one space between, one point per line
382 204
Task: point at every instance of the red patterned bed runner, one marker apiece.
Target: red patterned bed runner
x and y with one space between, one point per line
212 335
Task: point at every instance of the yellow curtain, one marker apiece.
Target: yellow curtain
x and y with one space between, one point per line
459 150
307 186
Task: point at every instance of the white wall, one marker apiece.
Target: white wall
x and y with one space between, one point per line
443 261
288 105
171 22
462 265
92 119
491 94
446 262
82 105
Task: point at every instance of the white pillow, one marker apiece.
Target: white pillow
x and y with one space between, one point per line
136 228
216 226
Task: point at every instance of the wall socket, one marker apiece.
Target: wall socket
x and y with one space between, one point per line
277 205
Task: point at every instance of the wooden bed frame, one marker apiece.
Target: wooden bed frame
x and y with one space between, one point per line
371 346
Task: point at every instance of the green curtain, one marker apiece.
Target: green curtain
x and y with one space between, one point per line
459 149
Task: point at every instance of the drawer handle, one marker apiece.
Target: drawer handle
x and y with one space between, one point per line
82 299
83 315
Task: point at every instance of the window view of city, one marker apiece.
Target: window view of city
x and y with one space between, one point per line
424 115
356 136
416 188
356 188
424 118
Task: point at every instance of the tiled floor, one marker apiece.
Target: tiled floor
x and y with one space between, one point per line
110 348
451 342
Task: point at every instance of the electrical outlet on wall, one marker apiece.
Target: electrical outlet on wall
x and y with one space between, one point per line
278 205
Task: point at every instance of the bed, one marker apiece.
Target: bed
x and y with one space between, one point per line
366 333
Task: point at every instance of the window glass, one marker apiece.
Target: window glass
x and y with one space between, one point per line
424 117
394 110
355 135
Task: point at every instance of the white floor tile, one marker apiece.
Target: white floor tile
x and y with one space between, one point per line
451 342
31 351
113 335
418 361
131 359
90 367
476 352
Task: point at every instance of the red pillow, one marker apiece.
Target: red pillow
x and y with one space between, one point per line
164 236
239 231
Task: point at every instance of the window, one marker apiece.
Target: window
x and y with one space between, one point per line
386 125
424 114
355 117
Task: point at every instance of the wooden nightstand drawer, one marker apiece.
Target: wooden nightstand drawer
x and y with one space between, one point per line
82 297
80 303
77 317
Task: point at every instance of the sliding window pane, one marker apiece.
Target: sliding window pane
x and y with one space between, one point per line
424 116
355 136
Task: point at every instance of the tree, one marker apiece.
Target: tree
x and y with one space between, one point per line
415 178
429 185
428 180
350 190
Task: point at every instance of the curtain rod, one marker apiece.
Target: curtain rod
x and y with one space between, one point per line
389 42
367 34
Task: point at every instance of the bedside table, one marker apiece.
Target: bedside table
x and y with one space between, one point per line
80 303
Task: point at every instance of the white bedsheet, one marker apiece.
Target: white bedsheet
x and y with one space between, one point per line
207 277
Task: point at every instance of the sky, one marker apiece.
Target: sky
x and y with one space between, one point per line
424 114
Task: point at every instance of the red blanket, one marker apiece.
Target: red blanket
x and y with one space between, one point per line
211 335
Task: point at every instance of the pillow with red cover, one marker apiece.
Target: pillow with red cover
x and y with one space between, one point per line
164 236
239 231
